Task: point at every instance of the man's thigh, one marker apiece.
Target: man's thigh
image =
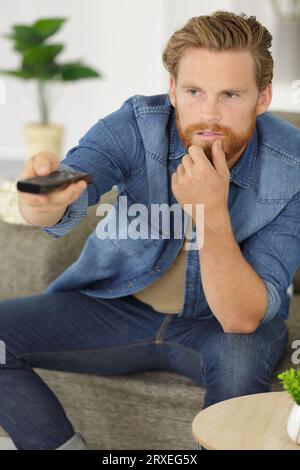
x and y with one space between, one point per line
74 332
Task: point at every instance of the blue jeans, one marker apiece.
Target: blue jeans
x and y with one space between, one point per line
70 331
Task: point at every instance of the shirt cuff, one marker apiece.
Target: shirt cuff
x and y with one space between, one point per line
74 213
274 302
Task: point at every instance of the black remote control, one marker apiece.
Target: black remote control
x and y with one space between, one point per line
56 179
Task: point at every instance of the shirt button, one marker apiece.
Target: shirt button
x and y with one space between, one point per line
157 268
130 284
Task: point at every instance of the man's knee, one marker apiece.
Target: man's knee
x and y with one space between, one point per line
235 365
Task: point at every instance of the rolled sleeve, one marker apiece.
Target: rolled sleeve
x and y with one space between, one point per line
274 302
274 254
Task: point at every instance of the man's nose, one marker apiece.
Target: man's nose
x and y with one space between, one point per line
209 110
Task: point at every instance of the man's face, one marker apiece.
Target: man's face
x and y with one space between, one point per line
217 92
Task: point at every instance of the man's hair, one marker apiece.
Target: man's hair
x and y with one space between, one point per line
223 31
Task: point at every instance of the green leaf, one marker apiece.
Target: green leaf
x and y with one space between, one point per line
25 37
45 74
291 383
77 71
17 73
38 59
41 56
46 27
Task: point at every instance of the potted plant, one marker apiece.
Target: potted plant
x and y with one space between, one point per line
39 63
288 40
291 383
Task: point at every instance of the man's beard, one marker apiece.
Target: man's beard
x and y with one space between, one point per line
233 143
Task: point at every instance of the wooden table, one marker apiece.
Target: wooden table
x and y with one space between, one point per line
251 422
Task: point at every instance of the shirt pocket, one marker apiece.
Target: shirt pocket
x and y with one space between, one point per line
134 233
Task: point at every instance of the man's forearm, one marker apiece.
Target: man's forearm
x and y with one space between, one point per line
235 293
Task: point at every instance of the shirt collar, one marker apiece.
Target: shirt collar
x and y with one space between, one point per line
240 173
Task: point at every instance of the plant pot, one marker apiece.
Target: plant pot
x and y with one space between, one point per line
39 137
293 425
287 59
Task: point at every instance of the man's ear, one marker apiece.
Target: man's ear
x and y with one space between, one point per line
172 90
264 101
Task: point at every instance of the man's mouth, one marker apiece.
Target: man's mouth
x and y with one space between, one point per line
209 134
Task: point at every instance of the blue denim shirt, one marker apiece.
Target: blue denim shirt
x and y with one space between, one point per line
137 148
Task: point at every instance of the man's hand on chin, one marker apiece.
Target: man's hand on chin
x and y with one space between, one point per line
198 181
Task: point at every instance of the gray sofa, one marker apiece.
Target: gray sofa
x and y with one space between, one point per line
150 410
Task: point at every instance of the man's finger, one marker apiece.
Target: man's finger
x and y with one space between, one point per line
180 170
198 156
42 164
188 164
219 157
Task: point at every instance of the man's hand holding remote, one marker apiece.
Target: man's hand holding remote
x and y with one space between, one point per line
47 209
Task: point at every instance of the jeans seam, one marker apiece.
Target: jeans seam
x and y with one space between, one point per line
114 347
162 329
85 350
178 345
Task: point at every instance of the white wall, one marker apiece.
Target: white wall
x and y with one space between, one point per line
122 38
179 11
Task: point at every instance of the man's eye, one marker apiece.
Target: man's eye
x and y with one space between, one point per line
230 94
191 92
